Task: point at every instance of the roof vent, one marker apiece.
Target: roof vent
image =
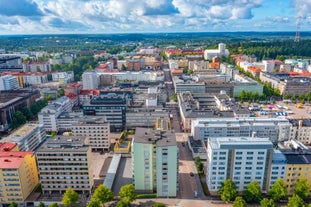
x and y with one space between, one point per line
7 160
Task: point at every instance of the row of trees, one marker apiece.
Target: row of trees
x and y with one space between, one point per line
100 197
25 114
253 194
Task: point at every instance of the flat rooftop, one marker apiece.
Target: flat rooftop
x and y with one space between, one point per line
12 160
65 144
158 137
240 143
22 132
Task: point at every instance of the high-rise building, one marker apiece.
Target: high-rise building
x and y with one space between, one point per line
96 130
8 82
89 80
18 176
28 137
240 159
65 162
155 162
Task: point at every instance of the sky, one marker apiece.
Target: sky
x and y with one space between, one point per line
139 16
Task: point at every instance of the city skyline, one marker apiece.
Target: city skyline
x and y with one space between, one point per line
128 16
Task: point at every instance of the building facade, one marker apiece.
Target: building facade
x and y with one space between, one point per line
155 162
89 80
65 162
241 159
28 137
18 176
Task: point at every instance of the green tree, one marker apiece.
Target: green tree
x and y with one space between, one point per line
267 203
123 67
13 204
122 203
70 197
228 191
242 95
167 99
295 201
286 96
239 202
27 113
60 93
41 204
18 119
102 194
185 70
253 192
93 203
53 205
158 204
278 190
127 193
174 97
302 188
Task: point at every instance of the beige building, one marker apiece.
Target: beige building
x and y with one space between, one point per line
96 130
301 130
65 162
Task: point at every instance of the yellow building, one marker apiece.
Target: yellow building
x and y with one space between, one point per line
18 176
298 167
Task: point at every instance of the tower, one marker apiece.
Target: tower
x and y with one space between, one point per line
298 22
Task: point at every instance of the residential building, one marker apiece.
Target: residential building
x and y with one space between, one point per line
8 82
278 167
155 162
36 67
11 101
63 77
65 162
111 105
301 130
90 80
241 159
96 130
276 129
18 176
28 137
193 87
298 167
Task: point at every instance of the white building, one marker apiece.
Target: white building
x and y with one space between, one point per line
63 77
242 159
49 114
8 82
36 67
268 65
221 51
28 137
35 78
276 129
90 80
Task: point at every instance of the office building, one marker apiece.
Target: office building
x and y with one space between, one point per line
276 129
241 159
65 162
111 105
155 162
278 167
28 137
96 130
18 176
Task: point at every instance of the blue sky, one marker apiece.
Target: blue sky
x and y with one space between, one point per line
131 16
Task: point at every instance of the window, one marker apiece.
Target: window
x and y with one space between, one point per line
238 163
238 153
250 153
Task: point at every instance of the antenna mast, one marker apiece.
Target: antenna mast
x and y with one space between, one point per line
298 22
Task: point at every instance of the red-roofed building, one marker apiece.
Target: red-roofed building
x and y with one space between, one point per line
170 52
254 71
8 147
21 168
73 88
86 95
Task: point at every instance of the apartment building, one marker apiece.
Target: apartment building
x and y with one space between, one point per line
298 167
18 176
96 130
241 159
155 162
28 137
90 80
65 162
276 129
301 130
278 167
8 82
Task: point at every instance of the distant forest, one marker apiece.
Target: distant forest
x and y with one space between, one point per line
264 45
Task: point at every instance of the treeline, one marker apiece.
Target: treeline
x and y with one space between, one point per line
78 66
273 50
25 114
